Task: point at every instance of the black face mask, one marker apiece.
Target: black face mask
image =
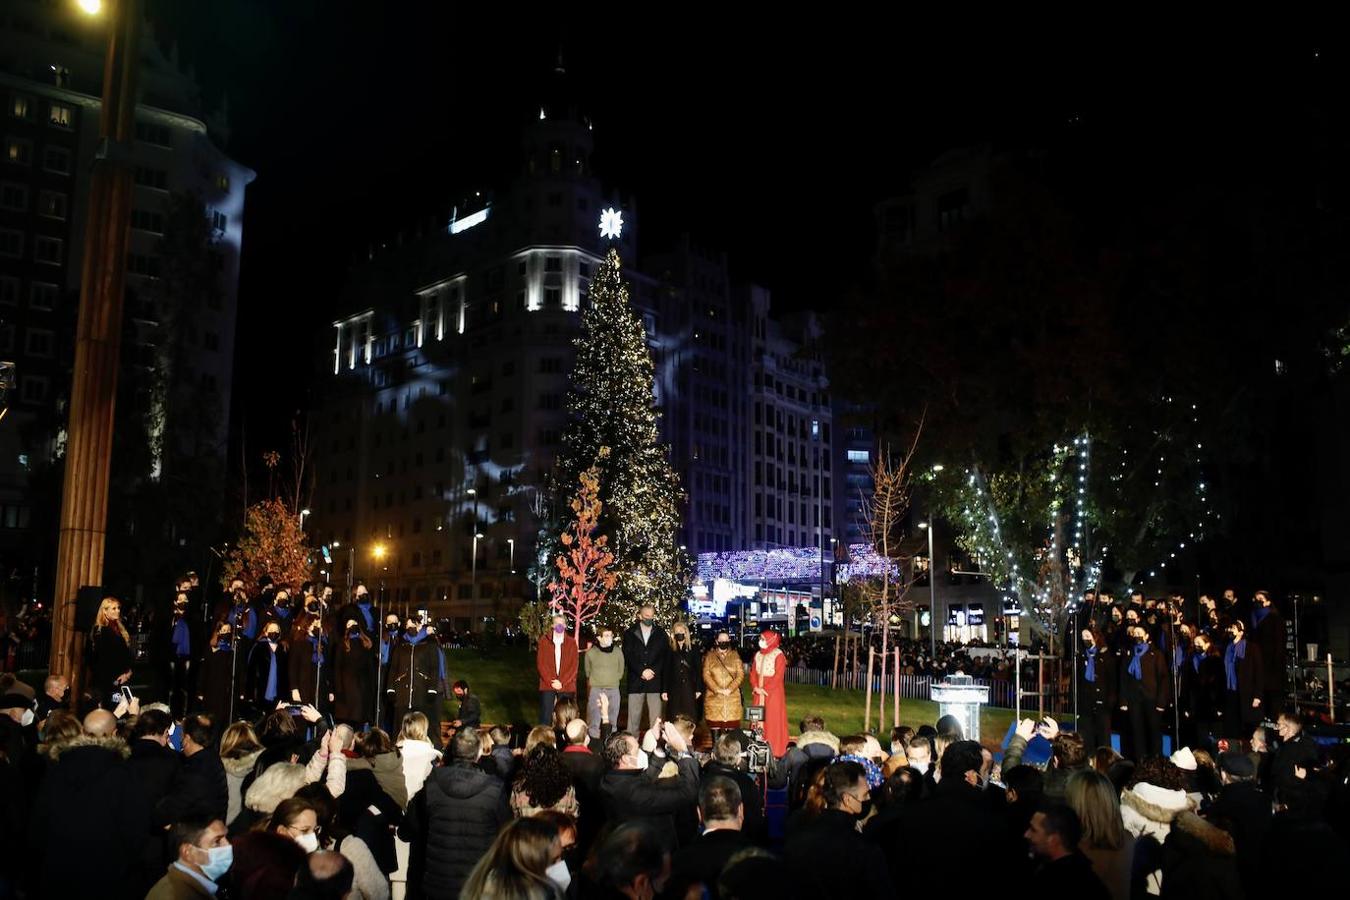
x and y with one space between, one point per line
354 633
723 645
866 809
412 632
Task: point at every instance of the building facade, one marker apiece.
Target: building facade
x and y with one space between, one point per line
51 70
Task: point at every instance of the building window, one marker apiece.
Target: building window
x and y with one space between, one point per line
53 204
11 243
13 197
150 133
38 342
145 220
157 179
9 290
219 221
34 389
19 151
6 338
47 250
584 269
145 266
43 295
61 116
553 264
552 298
859 456
56 159
21 107
223 183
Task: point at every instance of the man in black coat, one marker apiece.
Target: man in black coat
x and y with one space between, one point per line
90 820
1295 751
470 712
633 792
1244 811
827 857
1062 871
416 680
721 812
454 819
200 791
726 762
156 766
1145 693
1268 633
646 654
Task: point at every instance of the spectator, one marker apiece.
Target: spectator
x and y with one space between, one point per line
1103 839
156 768
90 807
453 820
540 734
278 783
200 790
416 751
239 752
1023 787
282 740
833 836
728 762
202 855
721 810
1068 754
814 749
503 760
604 675
1198 861
1244 810
1063 871
372 802
264 867
470 711
630 862
1156 796
853 748
543 783
632 791
900 737
951 727
324 876
55 695
297 819
369 881
519 864
1296 750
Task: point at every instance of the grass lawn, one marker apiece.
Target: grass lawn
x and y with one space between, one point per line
507 686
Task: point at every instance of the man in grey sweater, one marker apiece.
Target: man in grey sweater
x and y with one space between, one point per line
604 674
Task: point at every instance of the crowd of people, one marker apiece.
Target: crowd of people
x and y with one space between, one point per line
674 775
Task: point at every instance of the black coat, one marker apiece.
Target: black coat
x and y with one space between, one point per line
1302 752
199 791
470 712
654 655
156 769
89 824
1071 876
752 798
450 824
1098 695
1270 637
683 679
942 830
702 861
826 857
256 675
310 679
109 657
1198 861
353 680
414 674
1243 810
214 684
1250 683
1202 691
1154 688
362 792
633 795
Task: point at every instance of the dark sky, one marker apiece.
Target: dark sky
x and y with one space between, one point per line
771 139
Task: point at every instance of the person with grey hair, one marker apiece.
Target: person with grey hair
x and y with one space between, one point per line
729 762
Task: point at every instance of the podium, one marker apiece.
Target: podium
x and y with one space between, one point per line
961 697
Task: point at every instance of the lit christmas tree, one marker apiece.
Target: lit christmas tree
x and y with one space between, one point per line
612 405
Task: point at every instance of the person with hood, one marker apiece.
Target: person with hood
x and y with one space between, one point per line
454 819
646 653
1244 669
684 675
556 663
90 818
814 749
1148 806
1199 861
1145 692
416 675
722 677
239 752
604 675
266 672
354 675
767 679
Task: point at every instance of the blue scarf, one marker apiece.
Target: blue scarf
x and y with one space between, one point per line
270 692
440 657
1091 674
181 642
282 612
1196 659
316 656
1136 668
416 638
222 645
250 627
385 644
1178 657
364 607
1236 650
1259 614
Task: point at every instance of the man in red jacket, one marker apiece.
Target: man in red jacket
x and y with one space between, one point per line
557 665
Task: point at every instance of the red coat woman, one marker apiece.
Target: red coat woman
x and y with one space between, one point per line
766 686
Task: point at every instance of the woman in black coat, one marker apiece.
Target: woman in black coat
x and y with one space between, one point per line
354 676
264 685
1097 686
1201 695
684 675
366 809
110 656
1245 689
215 681
310 663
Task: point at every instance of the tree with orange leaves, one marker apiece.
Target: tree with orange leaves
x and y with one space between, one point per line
584 577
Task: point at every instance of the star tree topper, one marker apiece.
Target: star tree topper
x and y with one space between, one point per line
611 223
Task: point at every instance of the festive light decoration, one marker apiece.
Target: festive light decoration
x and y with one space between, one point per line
584 577
611 224
612 405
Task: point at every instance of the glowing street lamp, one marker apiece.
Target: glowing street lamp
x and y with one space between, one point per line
91 7
303 514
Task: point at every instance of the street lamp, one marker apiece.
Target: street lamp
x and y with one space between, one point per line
473 577
92 7
932 588
303 514
511 542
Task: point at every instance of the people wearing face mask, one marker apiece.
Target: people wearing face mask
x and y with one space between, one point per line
1245 690
267 672
298 820
604 674
416 681
215 683
646 653
311 664
354 661
1145 693
1097 686
18 736
55 695
767 674
556 662
203 856
722 677
833 835
1202 690
684 675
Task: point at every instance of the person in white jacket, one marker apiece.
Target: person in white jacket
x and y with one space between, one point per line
1148 808
419 754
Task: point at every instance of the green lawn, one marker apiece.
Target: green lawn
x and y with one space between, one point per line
507 686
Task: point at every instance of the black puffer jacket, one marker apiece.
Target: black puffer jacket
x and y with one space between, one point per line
450 824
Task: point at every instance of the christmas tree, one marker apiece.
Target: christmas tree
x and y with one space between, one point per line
612 405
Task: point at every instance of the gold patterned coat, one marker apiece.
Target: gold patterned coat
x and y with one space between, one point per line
722 674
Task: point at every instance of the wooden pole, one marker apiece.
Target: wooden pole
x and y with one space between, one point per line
867 714
896 706
834 669
1040 683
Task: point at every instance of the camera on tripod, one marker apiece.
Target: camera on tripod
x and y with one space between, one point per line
758 754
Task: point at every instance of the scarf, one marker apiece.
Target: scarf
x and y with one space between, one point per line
1196 659
1259 614
1091 673
250 627
1136 667
270 692
318 643
1236 650
182 645
363 606
1178 657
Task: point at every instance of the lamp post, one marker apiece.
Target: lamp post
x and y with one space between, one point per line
98 337
303 514
511 543
932 589
473 576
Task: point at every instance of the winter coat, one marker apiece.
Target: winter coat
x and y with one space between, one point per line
306 677
418 758
1115 868
366 788
1301 752
1270 637
633 795
683 679
722 673
1098 695
1154 688
1069 876
566 669
414 674
256 672
1199 861
368 882
89 823
1147 812
1202 692
236 771
813 750
156 768
213 686
353 680
637 656
450 824
201 790
109 657
604 668
829 858
177 885
702 861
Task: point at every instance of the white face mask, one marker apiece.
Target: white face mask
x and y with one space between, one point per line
558 874
218 861
763 645
27 718
308 842
642 760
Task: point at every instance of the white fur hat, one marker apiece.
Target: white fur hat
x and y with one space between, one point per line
1184 759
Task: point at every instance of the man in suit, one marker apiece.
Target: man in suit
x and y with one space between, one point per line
646 653
722 814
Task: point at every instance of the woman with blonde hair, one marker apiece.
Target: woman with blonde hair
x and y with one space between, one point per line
516 865
110 653
684 675
540 734
239 752
418 752
1105 842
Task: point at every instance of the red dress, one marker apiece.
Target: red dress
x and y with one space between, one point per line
767 672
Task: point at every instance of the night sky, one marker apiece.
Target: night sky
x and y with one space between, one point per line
769 139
